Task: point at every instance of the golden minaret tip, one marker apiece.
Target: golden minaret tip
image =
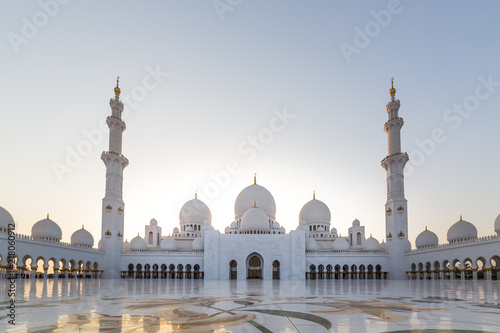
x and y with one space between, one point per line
117 88
392 91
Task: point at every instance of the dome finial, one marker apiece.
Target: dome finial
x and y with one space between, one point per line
82 227
117 88
392 91
48 216
196 194
314 195
254 204
255 178
425 228
460 217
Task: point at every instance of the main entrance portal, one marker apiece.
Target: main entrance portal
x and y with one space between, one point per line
254 268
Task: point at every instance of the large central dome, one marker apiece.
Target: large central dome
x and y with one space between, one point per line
255 194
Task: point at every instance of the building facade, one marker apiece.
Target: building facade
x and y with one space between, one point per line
254 245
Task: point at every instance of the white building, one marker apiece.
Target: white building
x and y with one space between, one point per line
254 245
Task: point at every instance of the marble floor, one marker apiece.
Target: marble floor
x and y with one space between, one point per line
252 306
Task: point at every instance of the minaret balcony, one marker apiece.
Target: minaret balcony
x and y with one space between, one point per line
110 120
396 121
392 119
393 155
113 153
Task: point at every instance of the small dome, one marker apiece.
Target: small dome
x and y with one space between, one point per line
315 211
255 219
82 238
46 229
282 230
194 211
311 244
5 219
99 245
340 244
497 224
382 246
153 222
169 243
276 225
333 231
356 223
461 230
176 230
138 243
426 239
258 194
126 245
234 225
198 244
371 244
227 230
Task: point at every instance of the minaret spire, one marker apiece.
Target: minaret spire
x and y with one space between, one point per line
396 216
392 91
117 88
112 203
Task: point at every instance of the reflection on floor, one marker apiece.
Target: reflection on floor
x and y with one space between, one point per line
253 306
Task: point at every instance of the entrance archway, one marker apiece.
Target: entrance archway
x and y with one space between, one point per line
254 267
233 268
276 270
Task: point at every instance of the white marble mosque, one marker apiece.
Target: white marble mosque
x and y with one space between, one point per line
254 245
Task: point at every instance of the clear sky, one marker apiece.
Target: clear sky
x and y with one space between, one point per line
232 66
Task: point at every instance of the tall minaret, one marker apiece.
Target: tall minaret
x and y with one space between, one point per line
396 215
112 203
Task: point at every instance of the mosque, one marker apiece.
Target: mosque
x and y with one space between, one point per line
254 245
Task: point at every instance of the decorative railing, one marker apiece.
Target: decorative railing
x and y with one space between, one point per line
113 153
454 243
395 118
346 252
171 252
394 154
53 242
